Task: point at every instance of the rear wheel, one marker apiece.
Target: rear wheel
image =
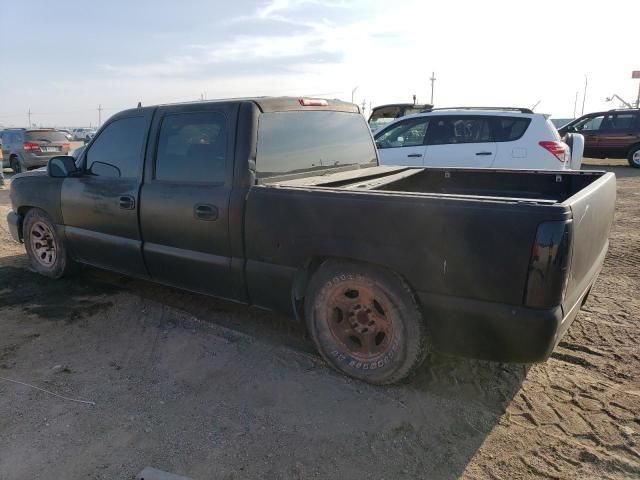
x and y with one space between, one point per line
365 322
45 249
634 157
15 165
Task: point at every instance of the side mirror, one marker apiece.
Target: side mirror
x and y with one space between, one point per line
62 167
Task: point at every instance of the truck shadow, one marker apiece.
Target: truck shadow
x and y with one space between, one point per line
429 427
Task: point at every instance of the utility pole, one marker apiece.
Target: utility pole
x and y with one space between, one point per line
364 105
29 118
353 92
584 98
433 80
99 115
575 105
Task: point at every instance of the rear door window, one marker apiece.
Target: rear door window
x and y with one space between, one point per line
509 129
305 141
192 148
619 121
117 152
459 129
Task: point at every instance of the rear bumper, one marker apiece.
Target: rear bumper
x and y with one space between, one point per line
15 223
493 331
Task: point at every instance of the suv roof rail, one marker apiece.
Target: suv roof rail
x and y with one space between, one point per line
508 109
623 109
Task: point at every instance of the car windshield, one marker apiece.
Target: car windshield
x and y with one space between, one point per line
45 136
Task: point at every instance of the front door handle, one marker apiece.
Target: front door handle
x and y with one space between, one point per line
205 211
414 155
484 153
127 202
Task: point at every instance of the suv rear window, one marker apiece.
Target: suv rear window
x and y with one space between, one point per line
45 136
508 129
298 142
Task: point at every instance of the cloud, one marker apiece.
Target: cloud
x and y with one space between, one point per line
309 43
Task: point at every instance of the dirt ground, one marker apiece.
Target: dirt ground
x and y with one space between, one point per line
207 389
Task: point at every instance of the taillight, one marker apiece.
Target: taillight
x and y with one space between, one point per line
66 145
549 265
30 146
313 102
558 149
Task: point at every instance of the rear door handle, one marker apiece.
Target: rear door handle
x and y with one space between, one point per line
205 211
414 155
484 153
127 202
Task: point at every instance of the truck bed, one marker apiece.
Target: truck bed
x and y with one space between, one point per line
508 185
463 239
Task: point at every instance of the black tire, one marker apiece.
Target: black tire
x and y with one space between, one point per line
15 165
365 322
634 157
46 250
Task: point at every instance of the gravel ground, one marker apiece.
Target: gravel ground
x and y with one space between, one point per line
208 389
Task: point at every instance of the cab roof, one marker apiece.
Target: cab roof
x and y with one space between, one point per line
282 104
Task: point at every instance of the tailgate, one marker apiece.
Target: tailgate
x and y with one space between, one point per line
592 211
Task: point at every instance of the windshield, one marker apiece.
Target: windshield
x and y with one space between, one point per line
297 142
45 136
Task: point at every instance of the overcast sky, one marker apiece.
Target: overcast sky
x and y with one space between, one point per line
62 59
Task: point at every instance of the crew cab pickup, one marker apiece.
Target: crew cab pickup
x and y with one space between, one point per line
281 203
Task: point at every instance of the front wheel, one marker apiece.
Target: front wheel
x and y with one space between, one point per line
634 157
45 249
366 322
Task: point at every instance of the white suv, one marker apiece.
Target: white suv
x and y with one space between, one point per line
510 138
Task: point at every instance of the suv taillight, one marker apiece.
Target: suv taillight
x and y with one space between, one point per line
549 265
558 149
30 146
66 145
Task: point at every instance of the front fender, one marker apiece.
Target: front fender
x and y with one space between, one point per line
37 189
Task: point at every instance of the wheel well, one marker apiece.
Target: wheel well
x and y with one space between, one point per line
22 211
305 273
632 147
301 282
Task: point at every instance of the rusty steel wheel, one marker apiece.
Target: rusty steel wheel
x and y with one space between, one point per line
359 318
365 322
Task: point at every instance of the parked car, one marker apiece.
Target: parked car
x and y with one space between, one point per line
66 133
280 203
383 115
75 153
25 148
611 134
476 138
85 134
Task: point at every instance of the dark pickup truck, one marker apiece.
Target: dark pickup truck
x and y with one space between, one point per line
280 203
